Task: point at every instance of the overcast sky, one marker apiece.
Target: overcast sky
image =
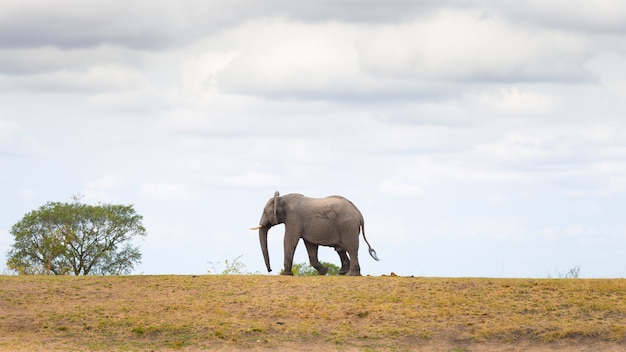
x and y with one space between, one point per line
478 138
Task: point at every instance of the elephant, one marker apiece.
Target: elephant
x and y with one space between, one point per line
332 221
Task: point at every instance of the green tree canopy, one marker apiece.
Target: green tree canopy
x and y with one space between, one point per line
75 238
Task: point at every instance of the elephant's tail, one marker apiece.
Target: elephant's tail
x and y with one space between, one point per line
371 250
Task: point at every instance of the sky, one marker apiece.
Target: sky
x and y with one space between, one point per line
478 138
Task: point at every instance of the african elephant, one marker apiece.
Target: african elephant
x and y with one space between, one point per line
332 221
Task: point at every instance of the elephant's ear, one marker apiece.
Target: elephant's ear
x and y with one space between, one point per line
276 194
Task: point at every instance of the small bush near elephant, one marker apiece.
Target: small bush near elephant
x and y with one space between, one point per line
304 269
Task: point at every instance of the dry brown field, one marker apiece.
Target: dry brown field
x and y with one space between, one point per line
267 313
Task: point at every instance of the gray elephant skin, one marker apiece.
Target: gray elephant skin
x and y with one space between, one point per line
332 221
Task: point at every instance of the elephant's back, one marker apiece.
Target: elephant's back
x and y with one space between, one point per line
343 206
331 206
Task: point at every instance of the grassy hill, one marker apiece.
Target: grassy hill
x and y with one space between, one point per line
242 312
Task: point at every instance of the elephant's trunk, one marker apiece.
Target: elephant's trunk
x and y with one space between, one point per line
263 240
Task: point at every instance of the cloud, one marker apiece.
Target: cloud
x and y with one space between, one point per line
8 129
14 140
199 70
366 12
283 59
388 228
607 68
279 51
78 25
254 118
141 100
291 59
103 188
497 198
400 188
590 210
514 101
604 16
497 227
553 144
164 191
46 59
107 183
612 174
94 79
159 25
467 45
247 180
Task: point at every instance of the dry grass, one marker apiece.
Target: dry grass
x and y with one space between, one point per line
306 313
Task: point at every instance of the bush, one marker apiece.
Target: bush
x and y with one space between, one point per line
572 273
304 269
234 267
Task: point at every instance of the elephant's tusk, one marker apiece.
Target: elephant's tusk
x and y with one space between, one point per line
256 227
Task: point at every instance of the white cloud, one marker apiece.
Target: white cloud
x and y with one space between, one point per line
27 193
106 183
514 101
136 100
45 59
199 72
514 148
593 209
388 227
612 173
607 66
165 234
577 15
77 25
467 45
247 180
101 189
14 140
400 188
8 130
559 143
291 59
494 227
497 198
164 191
103 77
285 59
95 196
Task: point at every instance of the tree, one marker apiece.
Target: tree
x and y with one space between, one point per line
303 269
75 238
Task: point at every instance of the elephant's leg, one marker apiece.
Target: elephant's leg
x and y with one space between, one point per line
312 248
345 261
355 268
290 244
351 245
